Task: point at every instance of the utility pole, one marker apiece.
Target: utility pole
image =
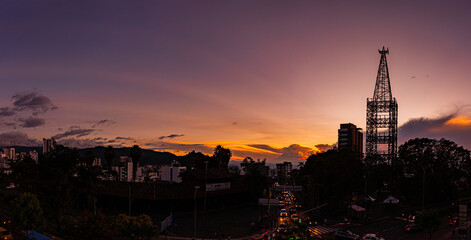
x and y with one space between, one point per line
205 185
194 220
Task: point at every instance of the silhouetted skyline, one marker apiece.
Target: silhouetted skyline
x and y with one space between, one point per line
267 79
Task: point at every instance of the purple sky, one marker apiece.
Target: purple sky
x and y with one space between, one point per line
268 79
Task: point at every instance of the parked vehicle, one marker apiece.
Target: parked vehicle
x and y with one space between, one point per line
283 213
453 221
411 227
346 235
372 236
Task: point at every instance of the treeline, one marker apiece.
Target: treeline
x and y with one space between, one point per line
58 194
440 167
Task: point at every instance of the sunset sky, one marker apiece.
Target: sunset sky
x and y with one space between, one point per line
267 79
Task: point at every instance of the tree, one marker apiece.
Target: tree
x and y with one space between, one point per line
331 176
221 157
135 154
429 221
441 165
88 158
256 173
27 212
139 227
95 226
110 155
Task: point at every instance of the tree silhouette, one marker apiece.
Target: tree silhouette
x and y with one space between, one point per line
442 165
429 221
221 157
27 212
88 158
110 155
135 154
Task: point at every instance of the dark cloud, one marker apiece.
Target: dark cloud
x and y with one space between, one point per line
421 127
10 124
17 139
100 139
6 112
87 142
179 147
73 132
324 147
266 147
448 127
32 122
104 122
292 153
33 101
170 136
124 138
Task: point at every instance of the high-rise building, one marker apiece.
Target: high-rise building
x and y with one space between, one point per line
125 170
9 153
34 155
381 116
48 144
283 169
350 138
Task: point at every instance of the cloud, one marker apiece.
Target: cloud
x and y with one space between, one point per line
179 148
10 124
74 132
104 122
324 147
33 101
125 138
292 153
170 136
6 112
32 122
266 147
455 127
17 139
26 106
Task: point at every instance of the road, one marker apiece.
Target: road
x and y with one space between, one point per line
393 228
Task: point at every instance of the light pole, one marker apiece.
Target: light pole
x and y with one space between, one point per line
423 187
194 222
205 184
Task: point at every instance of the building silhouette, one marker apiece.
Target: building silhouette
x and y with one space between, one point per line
350 138
48 144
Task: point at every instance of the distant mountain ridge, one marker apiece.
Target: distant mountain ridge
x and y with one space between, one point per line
148 156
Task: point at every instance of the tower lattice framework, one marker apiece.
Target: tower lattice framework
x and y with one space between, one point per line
381 116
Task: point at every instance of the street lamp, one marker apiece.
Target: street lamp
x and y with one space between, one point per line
205 184
194 222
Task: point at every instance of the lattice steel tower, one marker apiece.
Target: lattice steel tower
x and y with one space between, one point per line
381 116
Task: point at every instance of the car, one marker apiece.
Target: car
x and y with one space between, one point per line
295 218
453 221
283 213
5 221
292 210
371 236
282 227
4 234
344 221
345 235
411 227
